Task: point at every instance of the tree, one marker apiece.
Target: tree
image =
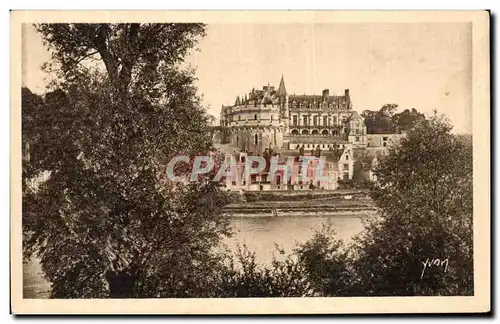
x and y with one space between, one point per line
370 120
128 51
358 171
106 221
389 110
387 121
382 121
407 119
212 121
424 190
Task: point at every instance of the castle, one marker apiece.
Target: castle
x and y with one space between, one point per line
270 120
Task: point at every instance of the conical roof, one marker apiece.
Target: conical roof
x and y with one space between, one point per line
281 89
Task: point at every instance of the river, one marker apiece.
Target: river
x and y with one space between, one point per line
259 234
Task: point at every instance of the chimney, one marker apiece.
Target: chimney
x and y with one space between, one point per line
346 92
326 93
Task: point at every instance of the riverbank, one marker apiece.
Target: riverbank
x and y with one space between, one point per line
276 204
282 195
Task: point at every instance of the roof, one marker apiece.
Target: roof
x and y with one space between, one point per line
355 116
316 97
281 89
333 156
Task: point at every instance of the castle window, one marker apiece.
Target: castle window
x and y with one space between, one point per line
294 120
255 117
239 117
325 120
256 138
357 138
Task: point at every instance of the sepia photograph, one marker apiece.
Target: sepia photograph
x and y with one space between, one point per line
250 162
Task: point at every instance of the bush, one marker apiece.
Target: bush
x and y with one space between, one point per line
347 184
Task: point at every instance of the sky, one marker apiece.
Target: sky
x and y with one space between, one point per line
414 65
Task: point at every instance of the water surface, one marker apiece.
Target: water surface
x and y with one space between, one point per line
260 234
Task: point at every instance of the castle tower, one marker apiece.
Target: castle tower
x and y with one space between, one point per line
283 100
283 113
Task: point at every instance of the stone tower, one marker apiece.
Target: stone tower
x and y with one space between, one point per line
258 122
283 102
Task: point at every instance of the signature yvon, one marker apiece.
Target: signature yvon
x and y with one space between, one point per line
434 263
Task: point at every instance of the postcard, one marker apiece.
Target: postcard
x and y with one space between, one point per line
250 162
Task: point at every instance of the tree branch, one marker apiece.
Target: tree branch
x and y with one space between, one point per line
100 43
86 56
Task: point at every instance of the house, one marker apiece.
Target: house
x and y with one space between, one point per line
343 162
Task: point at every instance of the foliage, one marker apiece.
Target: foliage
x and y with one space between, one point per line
380 122
314 268
131 53
106 221
407 119
424 190
361 166
247 278
326 263
387 121
347 184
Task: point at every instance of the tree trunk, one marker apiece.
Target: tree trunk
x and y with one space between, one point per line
121 284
